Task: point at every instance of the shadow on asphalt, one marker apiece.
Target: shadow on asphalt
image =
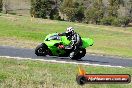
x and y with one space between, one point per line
93 61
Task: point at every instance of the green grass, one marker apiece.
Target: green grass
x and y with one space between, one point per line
37 74
108 40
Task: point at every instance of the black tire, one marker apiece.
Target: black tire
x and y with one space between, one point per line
41 50
81 80
82 52
79 55
76 57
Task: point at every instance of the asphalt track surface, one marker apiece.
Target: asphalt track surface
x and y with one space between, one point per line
91 59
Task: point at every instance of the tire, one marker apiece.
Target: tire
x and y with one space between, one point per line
82 52
79 55
76 57
41 50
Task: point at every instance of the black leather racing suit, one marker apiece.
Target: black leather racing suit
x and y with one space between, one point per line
76 41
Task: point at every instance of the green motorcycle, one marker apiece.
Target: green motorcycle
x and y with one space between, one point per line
54 45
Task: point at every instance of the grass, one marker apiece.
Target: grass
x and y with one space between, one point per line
37 74
109 40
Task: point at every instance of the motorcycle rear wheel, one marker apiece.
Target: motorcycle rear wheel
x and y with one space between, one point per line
41 50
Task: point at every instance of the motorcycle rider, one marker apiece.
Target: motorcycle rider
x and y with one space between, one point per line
76 41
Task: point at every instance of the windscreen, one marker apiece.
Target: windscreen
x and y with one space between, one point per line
54 37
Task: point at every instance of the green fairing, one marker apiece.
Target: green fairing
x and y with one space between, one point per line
87 42
63 39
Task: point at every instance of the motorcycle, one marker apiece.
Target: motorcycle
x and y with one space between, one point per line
55 45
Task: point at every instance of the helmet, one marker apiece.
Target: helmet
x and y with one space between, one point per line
70 30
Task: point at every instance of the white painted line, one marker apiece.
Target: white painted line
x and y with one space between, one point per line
55 61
